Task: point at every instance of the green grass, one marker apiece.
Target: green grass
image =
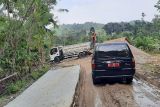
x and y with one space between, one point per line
38 73
20 85
15 87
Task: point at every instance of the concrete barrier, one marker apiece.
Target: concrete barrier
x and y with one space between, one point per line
55 89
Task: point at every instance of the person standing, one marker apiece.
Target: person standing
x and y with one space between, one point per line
93 37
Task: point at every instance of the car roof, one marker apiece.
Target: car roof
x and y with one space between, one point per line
113 43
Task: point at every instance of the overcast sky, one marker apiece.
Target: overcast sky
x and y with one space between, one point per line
104 11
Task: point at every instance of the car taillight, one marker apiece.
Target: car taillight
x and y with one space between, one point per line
93 65
133 62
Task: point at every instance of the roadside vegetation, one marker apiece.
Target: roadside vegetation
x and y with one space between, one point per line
25 42
68 34
142 34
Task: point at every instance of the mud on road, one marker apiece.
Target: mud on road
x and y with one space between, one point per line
137 94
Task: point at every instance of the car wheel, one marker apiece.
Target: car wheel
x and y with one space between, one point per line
95 81
56 60
129 80
81 55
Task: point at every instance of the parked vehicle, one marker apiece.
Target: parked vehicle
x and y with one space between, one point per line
78 50
112 61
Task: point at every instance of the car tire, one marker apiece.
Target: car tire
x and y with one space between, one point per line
56 60
129 80
95 81
81 55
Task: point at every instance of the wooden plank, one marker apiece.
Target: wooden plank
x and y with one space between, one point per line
8 77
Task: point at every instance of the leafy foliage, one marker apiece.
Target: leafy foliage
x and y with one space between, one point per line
38 73
68 34
132 27
24 39
142 34
15 87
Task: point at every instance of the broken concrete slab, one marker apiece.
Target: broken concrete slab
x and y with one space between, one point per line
55 89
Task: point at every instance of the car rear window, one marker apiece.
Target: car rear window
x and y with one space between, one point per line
112 50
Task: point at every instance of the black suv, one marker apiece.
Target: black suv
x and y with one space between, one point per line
112 61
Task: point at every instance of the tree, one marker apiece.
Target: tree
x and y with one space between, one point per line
24 39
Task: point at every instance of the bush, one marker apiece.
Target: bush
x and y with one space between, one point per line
15 87
1 72
35 75
146 43
38 73
102 38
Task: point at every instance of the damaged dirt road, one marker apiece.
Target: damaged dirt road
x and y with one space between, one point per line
137 94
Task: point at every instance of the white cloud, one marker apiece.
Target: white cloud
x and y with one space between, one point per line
104 11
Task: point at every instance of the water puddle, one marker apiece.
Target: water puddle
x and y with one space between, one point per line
145 95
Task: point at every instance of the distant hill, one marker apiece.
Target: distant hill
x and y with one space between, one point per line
85 26
74 29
